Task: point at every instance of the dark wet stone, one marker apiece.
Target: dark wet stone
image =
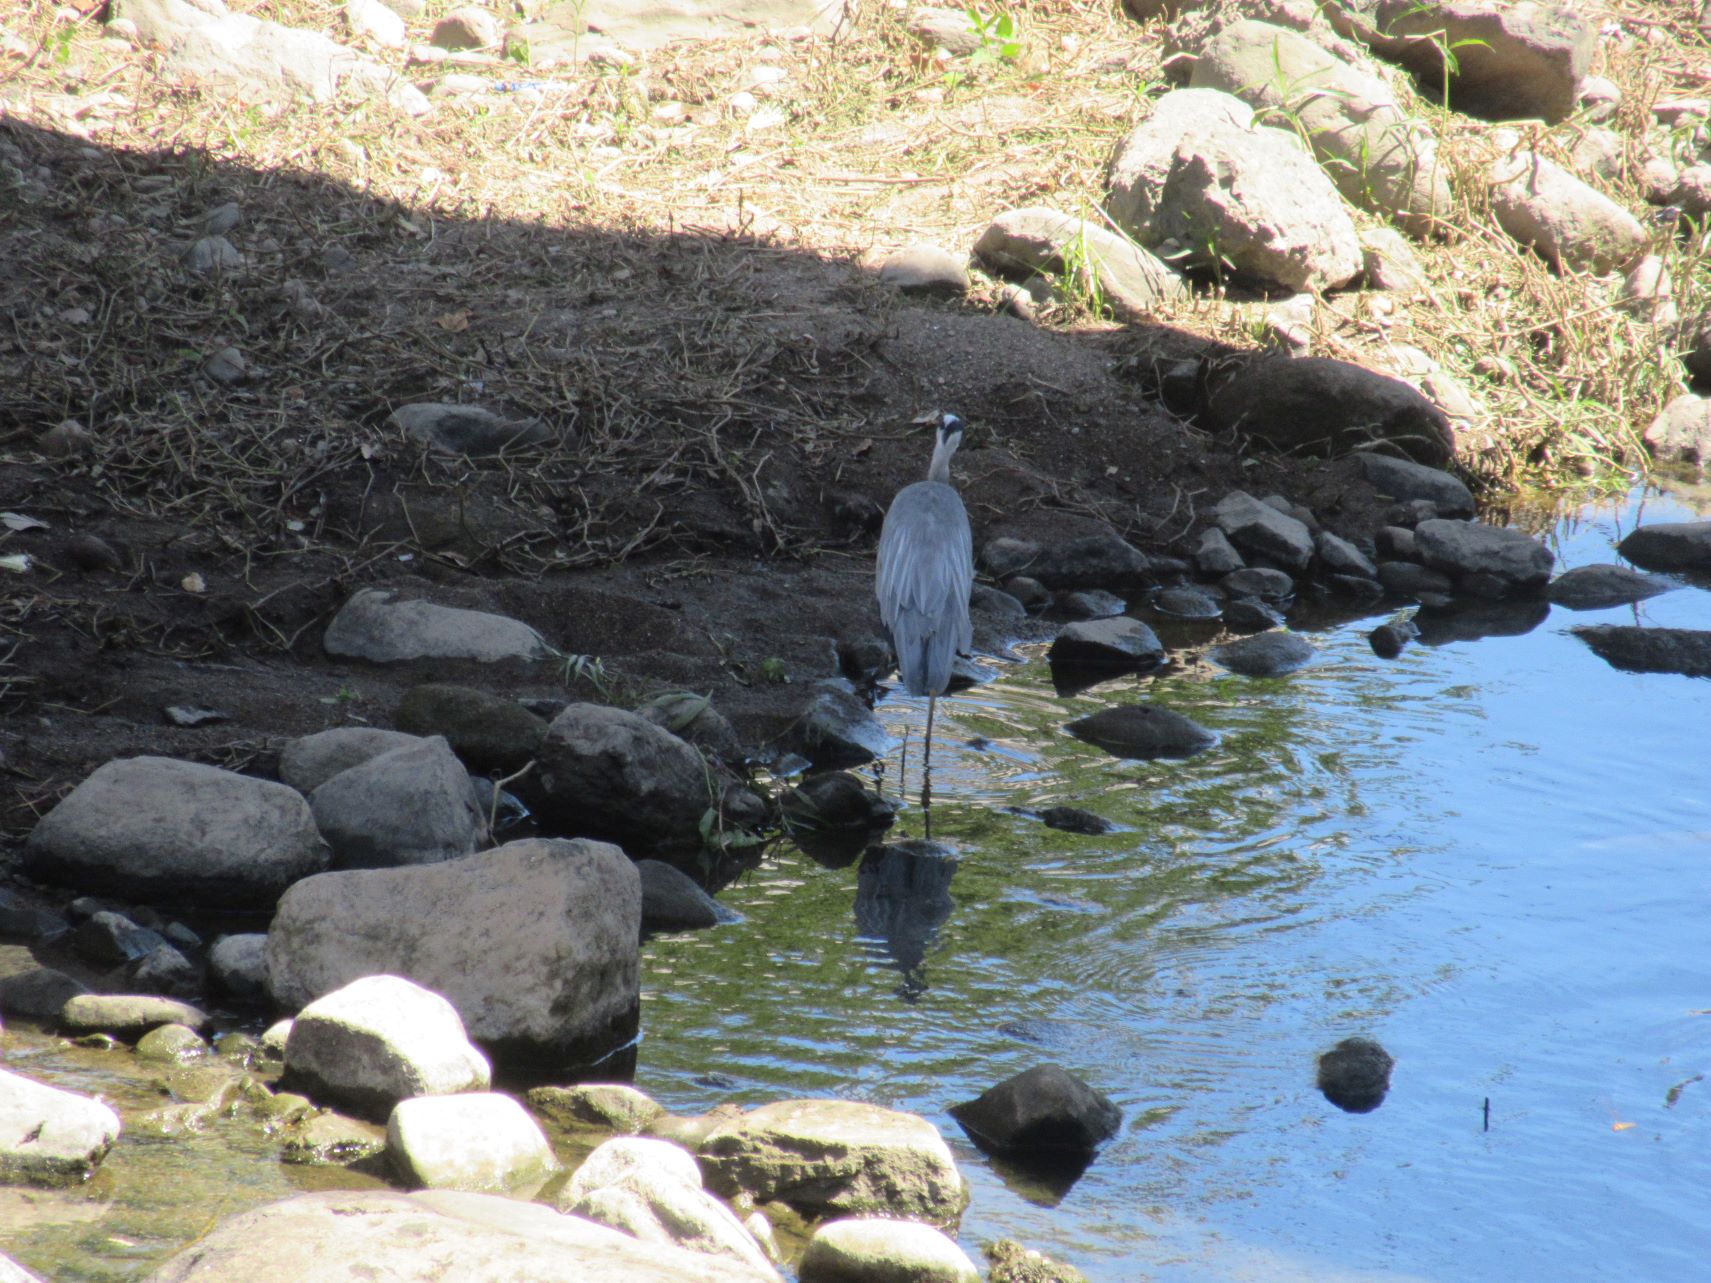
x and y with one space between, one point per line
1003 557
1258 581
1107 644
1029 591
673 901
1072 819
108 938
21 920
1188 603
237 965
1412 513
1001 607
1600 587
1472 619
1353 591
613 773
1249 615
1406 579
1143 731
1012 1262
1267 654
1091 561
693 719
1650 650
1216 555
1340 557
163 971
1488 561
836 800
1404 480
1387 640
1669 545
1257 528
1355 1075
487 732
40 994
1091 603
836 729
1396 543
864 660
1042 1116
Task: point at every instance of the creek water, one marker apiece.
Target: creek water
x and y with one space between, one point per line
1493 856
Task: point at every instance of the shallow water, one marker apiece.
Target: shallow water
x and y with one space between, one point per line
1492 856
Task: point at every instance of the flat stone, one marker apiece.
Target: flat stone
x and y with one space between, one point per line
127 1015
615 1106
1269 654
472 1141
377 1041
1600 587
1261 582
1121 643
871 1249
926 269
1189 602
325 1139
1388 261
1039 240
1650 650
372 626
1507 561
307 763
49 1136
468 429
1143 731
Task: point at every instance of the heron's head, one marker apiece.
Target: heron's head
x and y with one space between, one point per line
949 437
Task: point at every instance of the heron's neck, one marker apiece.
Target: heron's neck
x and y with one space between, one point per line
940 468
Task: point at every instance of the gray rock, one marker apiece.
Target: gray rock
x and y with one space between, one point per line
487 732
1039 240
674 901
106 938
1648 292
49 1136
1597 99
836 800
211 254
227 367
1091 603
372 626
1029 591
1388 262
377 21
1318 405
379 1040
1120 644
1599 153
174 1044
1658 180
1143 731
860 1249
162 970
1216 555
468 429
1379 159
1406 579
630 1158
694 720
835 729
466 27
1269 654
1681 432
38 994
534 943
1253 202
1513 61
947 29
1004 557
1262 582
609 773
1142 161
1188 602
1072 819
1251 615
1044 1114
352 1236
1669 545
1650 650
202 43
411 805
307 763
473 1140
21 920
126 1015
1103 560
237 964
1600 587
1387 640
158 828
1502 561
1258 529
1405 479
1572 225
326 1139
926 269
1397 543
1692 193
1341 557
836 1157
616 1107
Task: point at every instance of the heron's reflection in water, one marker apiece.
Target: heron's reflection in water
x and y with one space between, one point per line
903 897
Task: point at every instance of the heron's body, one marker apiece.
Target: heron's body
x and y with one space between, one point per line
924 577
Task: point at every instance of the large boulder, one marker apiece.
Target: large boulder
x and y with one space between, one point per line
1253 202
1570 223
609 773
1142 161
1319 405
534 943
377 1041
1510 61
1378 158
374 626
411 805
49 1136
836 1157
1103 265
358 1236
158 829
475 1140
1486 561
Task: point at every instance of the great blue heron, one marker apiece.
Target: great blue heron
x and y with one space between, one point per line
925 574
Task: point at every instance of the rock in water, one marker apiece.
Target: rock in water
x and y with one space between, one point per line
872 1247
49 1136
472 1140
1044 1116
1143 731
1355 1075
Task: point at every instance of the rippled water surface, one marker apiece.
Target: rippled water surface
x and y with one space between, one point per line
1493 856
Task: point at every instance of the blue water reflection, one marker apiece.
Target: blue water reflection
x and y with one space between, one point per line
1493 856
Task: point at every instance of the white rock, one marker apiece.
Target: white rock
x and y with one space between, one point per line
657 1209
473 1141
625 1158
1542 205
377 21
49 1136
1142 161
380 1040
871 1249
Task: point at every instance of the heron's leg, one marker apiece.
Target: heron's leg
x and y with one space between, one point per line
927 769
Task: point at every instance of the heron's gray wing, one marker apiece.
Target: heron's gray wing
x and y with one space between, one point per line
925 575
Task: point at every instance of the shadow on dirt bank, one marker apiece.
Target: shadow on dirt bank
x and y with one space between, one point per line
731 417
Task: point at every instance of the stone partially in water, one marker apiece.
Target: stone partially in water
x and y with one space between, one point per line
1669 545
127 1015
1070 819
1013 1263
617 1107
1355 1075
875 1248
1490 561
1600 587
1387 640
1650 650
472 1140
1044 1116
49 1136
1143 731
609 773
836 800
38 994
1269 654
674 901
1121 644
